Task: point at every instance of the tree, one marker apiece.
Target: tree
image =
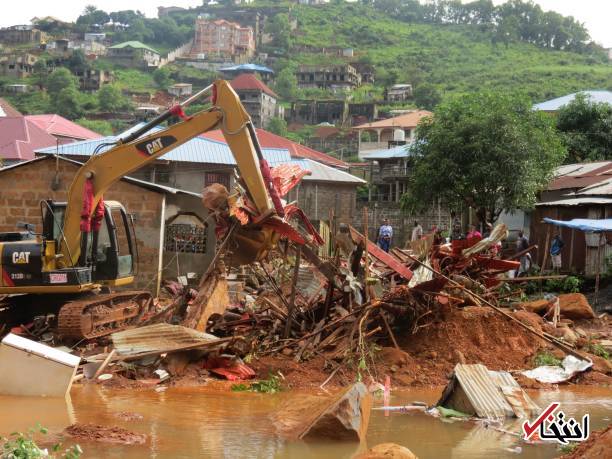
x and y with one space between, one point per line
586 127
40 73
60 79
488 151
110 99
67 103
278 126
77 61
286 84
280 29
426 96
162 77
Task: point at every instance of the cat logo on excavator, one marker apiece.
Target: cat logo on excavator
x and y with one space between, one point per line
21 258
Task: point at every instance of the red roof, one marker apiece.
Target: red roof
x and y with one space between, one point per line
269 140
61 127
581 175
248 81
19 138
7 109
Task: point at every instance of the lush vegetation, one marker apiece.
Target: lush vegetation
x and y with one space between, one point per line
546 359
488 151
450 57
586 127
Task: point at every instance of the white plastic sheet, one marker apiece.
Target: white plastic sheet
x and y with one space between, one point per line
553 375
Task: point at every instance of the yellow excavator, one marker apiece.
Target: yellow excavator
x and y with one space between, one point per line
88 244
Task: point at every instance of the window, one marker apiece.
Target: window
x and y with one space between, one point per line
185 233
215 177
162 176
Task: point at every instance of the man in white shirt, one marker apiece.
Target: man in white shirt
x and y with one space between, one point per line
417 232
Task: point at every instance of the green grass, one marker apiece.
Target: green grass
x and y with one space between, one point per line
599 350
546 359
135 80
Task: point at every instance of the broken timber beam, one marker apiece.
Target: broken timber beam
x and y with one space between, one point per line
382 256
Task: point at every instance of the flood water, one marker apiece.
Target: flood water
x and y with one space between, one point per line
183 423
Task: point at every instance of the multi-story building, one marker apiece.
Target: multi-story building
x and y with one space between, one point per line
258 99
221 38
17 65
334 77
93 80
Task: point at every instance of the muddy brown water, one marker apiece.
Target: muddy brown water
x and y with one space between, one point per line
195 422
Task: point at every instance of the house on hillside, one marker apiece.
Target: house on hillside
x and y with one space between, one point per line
17 65
222 38
257 98
398 93
20 137
134 54
577 191
338 112
389 132
65 131
261 71
181 89
93 79
22 34
169 223
339 77
554 105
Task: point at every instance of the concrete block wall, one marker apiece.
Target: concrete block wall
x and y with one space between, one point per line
22 188
402 222
317 199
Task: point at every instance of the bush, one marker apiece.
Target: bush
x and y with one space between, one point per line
23 446
546 358
571 284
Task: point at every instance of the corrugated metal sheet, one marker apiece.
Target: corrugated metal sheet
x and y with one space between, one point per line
197 150
522 405
310 282
555 104
576 202
158 337
491 394
402 151
323 173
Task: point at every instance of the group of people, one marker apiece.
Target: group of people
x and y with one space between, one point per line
385 237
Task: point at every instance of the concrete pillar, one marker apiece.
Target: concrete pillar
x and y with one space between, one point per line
378 132
390 192
397 189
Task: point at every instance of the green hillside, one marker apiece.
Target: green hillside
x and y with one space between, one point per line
456 58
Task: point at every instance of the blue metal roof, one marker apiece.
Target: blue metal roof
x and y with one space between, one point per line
248 68
197 150
555 104
401 151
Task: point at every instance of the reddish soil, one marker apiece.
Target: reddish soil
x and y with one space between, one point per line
598 446
93 432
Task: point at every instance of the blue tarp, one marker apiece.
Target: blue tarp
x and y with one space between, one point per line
583 224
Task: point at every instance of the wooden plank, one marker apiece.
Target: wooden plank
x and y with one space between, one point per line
382 256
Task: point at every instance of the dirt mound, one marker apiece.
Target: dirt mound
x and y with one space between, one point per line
575 306
309 374
93 432
469 335
597 446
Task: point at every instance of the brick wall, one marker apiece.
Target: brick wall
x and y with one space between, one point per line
22 188
317 199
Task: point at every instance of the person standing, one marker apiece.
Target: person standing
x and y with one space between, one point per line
417 232
474 232
385 235
522 244
555 252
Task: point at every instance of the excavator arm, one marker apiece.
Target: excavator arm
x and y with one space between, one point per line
134 151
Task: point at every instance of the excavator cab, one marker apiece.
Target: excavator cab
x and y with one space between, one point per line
110 253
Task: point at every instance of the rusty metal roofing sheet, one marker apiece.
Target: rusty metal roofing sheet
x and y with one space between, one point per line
522 405
158 337
492 394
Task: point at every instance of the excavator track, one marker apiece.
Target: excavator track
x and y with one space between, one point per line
103 314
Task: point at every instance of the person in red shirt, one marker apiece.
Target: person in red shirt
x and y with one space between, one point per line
474 232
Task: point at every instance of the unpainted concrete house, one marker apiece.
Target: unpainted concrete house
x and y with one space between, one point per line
335 77
169 223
